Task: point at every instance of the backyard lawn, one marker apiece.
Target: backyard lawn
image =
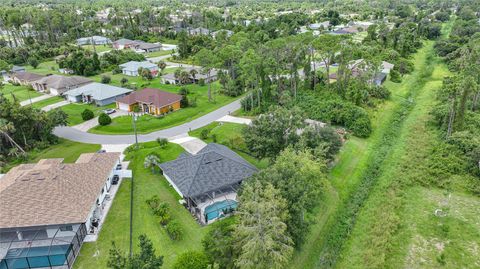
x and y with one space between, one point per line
66 149
147 123
74 111
21 93
49 67
116 228
230 135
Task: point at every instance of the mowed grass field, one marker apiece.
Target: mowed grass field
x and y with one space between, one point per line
148 123
66 149
20 93
116 227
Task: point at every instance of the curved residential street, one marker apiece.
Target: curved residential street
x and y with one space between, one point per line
84 137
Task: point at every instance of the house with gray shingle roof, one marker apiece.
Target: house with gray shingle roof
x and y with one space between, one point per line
208 180
97 93
131 68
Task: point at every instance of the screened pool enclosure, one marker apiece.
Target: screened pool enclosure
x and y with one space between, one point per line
41 247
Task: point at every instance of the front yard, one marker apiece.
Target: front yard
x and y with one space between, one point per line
116 227
147 123
21 93
74 111
48 101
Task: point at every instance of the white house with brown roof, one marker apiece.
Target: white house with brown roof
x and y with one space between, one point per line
48 208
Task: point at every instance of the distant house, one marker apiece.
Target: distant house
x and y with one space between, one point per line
58 84
198 31
227 32
47 209
319 25
171 79
131 68
97 93
151 101
208 180
147 47
17 68
94 40
25 78
137 45
357 68
66 71
123 43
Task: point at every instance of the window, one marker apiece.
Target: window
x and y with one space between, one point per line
68 228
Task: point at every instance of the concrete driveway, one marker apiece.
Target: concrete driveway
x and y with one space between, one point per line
190 144
89 124
79 136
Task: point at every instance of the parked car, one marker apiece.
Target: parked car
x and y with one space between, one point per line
101 151
118 167
109 111
115 179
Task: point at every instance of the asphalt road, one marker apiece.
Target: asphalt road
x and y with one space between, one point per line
79 136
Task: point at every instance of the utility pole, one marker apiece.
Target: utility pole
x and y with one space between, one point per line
134 119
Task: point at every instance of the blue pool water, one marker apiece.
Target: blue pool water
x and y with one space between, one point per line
213 211
35 257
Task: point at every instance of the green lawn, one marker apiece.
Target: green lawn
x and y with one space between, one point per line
48 101
116 228
21 93
66 149
74 111
147 123
44 68
158 53
230 135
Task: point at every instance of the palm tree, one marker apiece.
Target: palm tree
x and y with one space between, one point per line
184 77
177 74
5 129
162 65
151 161
193 73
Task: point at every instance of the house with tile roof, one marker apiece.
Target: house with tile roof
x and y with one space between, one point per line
208 180
58 84
97 93
48 208
152 101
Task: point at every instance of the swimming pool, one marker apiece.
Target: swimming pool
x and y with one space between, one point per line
215 210
35 257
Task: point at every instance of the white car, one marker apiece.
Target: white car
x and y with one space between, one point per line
109 111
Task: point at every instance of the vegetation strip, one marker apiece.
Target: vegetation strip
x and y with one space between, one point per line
341 228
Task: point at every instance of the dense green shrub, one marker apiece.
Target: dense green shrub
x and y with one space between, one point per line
162 142
87 114
191 260
204 133
104 119
106 79
336 111
174 230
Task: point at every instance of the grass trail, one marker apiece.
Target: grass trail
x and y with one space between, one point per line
358 169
